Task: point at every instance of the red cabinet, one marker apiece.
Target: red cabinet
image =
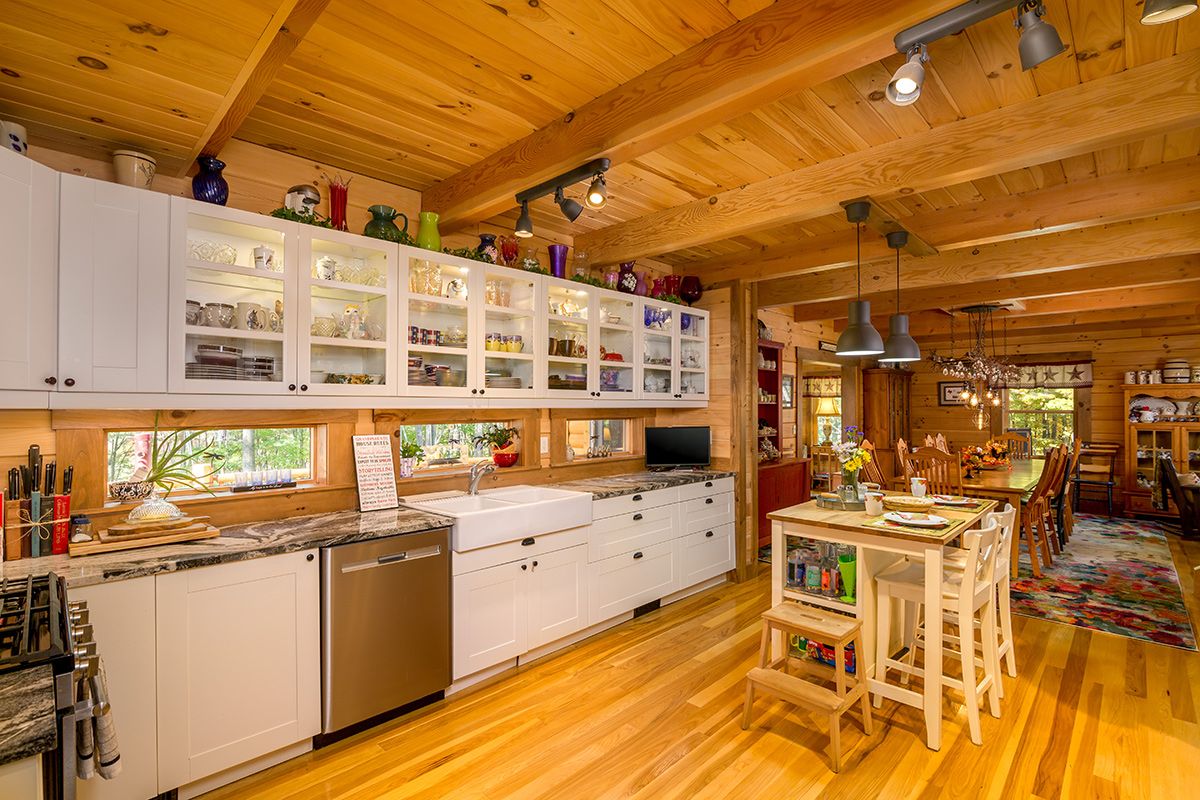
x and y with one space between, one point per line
780 485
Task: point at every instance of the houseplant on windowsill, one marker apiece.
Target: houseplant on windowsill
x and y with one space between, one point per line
411 455
505 444
169 467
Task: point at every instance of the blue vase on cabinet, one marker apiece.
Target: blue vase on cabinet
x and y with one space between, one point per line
209 184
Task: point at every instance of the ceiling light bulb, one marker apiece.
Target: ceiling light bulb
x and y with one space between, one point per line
905 86
1157 12
571 209
995 401
597 194
974 400
964 394
524 227
1039 40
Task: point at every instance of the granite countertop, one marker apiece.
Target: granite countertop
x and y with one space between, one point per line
634 482
236 543
27 710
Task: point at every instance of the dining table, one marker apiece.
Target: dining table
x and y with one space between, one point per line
1004 483
878 543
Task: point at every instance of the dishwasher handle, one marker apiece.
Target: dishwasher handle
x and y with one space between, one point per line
394 558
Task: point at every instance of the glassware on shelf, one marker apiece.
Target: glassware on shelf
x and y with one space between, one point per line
213 252
579 265
497 292
425 277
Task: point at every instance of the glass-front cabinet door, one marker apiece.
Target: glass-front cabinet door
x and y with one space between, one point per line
440 333
693 355
510 331
614 347
347 319
568 311
1152 443
1190 457
658 345
233 291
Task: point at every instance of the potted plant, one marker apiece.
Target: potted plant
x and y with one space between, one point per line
411 454
853 456
504 443
169 467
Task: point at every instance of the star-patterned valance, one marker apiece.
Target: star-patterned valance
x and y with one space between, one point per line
1054 376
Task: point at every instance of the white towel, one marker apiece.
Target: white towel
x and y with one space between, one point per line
97 747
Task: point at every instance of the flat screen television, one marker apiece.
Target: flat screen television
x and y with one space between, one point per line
685 446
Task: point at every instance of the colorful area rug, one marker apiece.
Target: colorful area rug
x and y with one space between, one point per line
1115 576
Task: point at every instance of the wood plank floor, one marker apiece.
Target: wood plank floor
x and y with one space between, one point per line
650 709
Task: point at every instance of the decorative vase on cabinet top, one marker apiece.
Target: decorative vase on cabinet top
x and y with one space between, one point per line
558 260
382 224
209 185
487 247
690 289
427 234
642 289
626 280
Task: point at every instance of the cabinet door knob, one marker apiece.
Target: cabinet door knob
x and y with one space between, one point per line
304 387
637 517
291 387
708 484
638 554
308 557
524 566
52 380
527 541
69 382
708 501
481 391
708 535
535 563
637 497
474 391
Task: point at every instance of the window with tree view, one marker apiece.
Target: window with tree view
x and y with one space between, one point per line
1048 413
448 445
214 459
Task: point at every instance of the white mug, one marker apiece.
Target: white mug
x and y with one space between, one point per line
917 485
14 137
874 504
264 258
326 268
250 317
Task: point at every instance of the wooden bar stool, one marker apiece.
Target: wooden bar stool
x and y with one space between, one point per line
835 630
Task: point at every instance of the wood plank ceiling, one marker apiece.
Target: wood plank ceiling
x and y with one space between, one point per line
413 93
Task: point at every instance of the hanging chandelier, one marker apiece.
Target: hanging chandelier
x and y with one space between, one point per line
987 374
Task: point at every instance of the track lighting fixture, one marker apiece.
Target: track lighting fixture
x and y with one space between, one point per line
1039 40
900 346
860 337
571 209
905 86
524 222
1157 12
597 194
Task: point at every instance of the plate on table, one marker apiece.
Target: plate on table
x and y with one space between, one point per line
952 500
917 519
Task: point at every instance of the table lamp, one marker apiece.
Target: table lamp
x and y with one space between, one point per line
827 407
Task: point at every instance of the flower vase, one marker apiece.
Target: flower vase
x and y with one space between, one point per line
690 289
428 236
848 491
209 185
659 287
626 280
640 288
671 284
487 247
337 205
407 467
510 248
558 260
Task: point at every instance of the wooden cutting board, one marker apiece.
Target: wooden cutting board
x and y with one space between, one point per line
123 529
108 544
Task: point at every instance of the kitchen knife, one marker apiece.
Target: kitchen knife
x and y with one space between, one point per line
68 479
35 505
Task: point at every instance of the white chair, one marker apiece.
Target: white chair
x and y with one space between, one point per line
970 594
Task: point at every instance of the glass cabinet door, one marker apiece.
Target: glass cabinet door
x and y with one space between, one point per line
1191 451
568 311
693 355
438 353
1151 443
509 333
233 288
614 347
659 346
348 319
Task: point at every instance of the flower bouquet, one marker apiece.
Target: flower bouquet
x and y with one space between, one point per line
853 457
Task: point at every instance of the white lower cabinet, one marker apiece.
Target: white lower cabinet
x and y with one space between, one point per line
624 582
557 595
122 618
238 663
704 554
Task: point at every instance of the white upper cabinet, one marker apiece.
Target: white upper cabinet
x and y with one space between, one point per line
614 346
28 273
507 300
673 351
443 341
112 294
569 310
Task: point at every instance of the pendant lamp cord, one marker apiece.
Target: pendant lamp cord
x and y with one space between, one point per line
858 254
897 280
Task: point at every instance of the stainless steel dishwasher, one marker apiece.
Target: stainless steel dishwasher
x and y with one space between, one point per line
385 625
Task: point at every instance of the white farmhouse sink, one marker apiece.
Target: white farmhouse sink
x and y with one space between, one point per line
504 515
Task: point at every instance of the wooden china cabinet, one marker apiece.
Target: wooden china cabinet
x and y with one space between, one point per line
886 412
1175 435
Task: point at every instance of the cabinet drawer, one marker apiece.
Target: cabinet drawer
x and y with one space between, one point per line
628 503
704 554
616 535
485 557
624 582
707 512
691 491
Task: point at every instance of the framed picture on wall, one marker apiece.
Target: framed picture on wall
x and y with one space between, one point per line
787 390
949 391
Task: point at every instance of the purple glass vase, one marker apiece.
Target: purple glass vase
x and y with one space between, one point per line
642 289
690 289
558 260
626 280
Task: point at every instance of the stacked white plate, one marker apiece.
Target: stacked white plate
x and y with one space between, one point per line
212 372
503 383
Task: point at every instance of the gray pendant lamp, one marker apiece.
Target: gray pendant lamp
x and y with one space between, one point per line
900 346
860 337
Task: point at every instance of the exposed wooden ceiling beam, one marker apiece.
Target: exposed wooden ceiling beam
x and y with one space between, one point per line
1160 272
1111 316
1171 186
290 24
1150 99
776 52
1154 237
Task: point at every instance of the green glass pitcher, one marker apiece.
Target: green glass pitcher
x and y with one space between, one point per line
383 224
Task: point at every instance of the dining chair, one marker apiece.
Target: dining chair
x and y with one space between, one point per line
824 468
941 470
1053 495
1020 446
1033 519
1063 513
872 472
902 467
940 443
1095 470
970 595
1167 477
928 441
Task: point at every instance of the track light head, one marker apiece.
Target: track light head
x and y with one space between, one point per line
905 86
1039 40
524 227
571 209
1157 12
597 193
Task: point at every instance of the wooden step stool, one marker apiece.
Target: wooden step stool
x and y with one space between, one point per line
835 630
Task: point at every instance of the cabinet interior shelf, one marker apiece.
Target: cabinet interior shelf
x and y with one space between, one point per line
433 348
506 354
233 275
232 333
691 369
832 603
655 332
506 313
428 302
608 326
687 338
559 318
340 290
567 360
334 341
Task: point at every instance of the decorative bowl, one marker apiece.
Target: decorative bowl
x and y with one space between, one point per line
906 502
128 491
503 459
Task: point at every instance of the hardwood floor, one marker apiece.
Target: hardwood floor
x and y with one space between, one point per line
651 709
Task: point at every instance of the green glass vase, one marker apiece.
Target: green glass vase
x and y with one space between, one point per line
383 224
427 235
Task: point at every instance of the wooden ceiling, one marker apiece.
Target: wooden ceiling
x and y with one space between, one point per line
420 93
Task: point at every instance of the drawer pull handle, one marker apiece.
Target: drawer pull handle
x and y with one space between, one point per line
527 541
638 554
708 484
637 497
637 517
708 535
708 501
